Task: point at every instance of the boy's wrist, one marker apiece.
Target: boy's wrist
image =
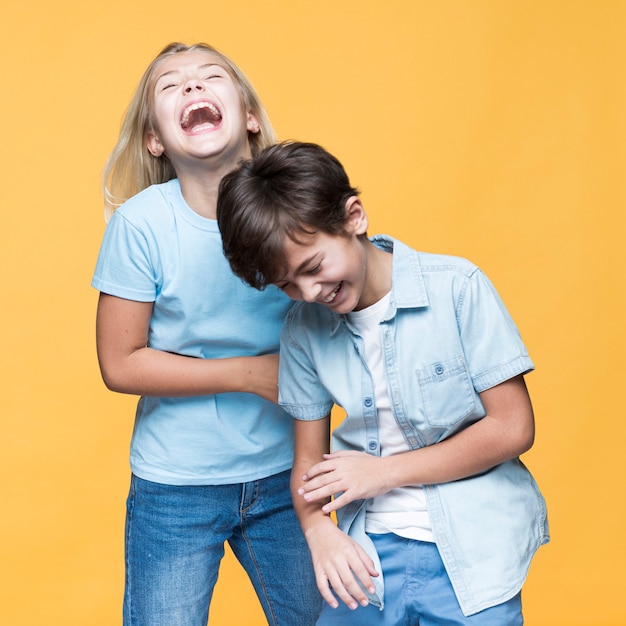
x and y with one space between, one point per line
320 524
391 469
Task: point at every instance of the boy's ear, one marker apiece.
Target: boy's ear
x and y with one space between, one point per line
357 221
155 147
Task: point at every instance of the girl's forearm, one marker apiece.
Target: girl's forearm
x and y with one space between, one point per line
149 372
129 366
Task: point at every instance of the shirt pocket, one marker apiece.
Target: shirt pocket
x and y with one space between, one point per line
447 392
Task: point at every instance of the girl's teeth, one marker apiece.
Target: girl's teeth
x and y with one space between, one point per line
199 105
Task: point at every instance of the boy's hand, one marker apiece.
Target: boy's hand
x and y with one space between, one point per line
339 562
357 474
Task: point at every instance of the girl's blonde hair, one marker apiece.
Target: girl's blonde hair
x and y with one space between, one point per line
130 166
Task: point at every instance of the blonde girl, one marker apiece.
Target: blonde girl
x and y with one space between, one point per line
211 452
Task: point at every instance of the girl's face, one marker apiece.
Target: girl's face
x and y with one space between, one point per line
198 111
331 269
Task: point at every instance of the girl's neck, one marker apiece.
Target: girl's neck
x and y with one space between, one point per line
201 193
200 181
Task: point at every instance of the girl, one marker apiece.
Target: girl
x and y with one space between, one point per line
211 452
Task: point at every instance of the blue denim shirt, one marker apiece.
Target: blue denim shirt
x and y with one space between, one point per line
446 337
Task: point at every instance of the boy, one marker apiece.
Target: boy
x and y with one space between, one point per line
422 355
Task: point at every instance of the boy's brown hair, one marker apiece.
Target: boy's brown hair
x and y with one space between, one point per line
287 189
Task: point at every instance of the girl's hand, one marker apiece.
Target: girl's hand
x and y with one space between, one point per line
263 374
340 562
357 474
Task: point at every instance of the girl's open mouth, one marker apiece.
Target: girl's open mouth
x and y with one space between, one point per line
200 116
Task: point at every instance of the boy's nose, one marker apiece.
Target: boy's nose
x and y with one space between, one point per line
309 292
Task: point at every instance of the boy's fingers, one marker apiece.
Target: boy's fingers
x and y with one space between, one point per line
345 595
364 574
322 493
325 591
346 585
316 470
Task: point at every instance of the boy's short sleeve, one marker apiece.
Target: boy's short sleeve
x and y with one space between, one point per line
124 268
494 350
300 391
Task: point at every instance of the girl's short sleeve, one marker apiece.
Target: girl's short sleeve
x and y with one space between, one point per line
125 266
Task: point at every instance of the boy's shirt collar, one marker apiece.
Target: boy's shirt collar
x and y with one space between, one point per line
407 283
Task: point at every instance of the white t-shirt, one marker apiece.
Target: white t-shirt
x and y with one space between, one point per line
404 510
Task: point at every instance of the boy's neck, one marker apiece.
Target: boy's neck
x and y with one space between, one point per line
378 273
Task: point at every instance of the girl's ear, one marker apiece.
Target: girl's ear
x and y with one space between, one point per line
356 216
253 124
155 147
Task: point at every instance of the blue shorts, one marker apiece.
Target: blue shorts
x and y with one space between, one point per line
417 592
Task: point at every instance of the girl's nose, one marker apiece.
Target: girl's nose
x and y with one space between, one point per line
194 84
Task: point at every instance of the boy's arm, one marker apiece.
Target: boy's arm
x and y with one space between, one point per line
337 559
506 431
129 366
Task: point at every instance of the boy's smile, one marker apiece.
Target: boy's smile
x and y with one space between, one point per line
333 295
342 272
327 269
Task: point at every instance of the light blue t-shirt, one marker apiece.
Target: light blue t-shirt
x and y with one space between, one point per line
157 249
446 337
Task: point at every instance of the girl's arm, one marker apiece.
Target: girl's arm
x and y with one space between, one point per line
337 559
129 366
506 431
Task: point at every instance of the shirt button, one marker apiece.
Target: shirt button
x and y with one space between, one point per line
439 370
367 402
372 445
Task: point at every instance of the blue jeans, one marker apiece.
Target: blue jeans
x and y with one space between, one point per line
417 593
175 540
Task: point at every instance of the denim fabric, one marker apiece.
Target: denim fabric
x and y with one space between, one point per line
446 338
419 592
175 540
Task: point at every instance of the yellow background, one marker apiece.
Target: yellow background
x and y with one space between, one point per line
491 129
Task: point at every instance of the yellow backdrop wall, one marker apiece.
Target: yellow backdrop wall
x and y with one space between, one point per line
489 129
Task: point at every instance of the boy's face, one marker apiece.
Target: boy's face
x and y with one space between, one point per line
329 269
